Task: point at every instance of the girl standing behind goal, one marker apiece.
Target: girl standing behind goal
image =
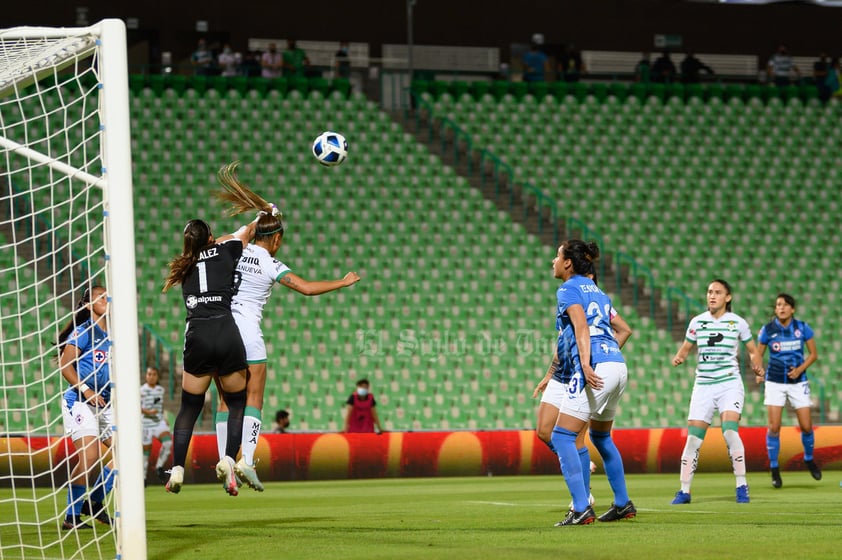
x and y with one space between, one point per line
84 347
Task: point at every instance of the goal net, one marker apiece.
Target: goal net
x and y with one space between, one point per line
66 226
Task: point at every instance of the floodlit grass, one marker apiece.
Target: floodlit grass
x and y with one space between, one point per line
508 518
502 517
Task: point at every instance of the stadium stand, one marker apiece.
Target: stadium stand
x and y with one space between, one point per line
737 182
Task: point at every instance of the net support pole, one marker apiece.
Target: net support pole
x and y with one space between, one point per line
117 169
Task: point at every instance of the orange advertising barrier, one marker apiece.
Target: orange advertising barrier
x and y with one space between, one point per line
414 454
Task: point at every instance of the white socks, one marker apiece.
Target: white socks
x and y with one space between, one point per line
689 461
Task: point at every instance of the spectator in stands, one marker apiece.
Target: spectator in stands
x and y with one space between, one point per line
342 61
295 61
663 71
535 64
271 62
691 68
229 61
821 70
202 59
251 64
281 421
643 69
570 65
786 380
361 412
781 67
834 80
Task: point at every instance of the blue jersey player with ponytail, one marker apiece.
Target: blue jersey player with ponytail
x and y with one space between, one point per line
594 391
786 380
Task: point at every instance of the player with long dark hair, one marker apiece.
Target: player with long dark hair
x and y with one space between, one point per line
786 380
206 270
258 272
717 334
593 393
553 386
84 347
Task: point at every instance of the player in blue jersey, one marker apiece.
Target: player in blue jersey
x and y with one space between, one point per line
786 379
594 391
717 334
84 348
554 385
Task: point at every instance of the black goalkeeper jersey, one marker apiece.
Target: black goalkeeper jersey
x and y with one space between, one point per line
209 287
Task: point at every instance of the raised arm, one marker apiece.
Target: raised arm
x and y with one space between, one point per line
317 287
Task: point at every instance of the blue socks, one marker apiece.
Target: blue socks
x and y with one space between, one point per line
585 460
773 448
808 440
565 443
75 496
102 486
613 463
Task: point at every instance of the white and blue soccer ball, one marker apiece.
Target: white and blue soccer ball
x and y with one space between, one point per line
330 148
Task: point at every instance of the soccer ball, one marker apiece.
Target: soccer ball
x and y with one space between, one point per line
330 148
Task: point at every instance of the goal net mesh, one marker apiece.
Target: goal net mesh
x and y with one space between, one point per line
52 248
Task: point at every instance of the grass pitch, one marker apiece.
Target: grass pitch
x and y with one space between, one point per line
507 518
501 517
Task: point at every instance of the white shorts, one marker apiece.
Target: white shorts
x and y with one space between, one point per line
252 339
554 393
154 431
798 394
597 404
728 395
83 420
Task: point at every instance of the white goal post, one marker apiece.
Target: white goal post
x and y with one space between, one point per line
66 221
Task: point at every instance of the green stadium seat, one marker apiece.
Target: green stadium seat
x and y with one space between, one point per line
620 90
539 89
280 85
479 88
300 84
499 88
715 91
600 91
342 85
559 90
439 87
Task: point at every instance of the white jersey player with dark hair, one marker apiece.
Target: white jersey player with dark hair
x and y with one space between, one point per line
258 272
717 334
154 424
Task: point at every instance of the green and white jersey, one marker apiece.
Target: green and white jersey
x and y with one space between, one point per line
718 342
258 272
152 398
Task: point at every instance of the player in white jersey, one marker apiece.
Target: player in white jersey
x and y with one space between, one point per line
717 334
258 272
154 424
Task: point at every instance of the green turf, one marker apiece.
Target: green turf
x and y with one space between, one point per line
501 517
